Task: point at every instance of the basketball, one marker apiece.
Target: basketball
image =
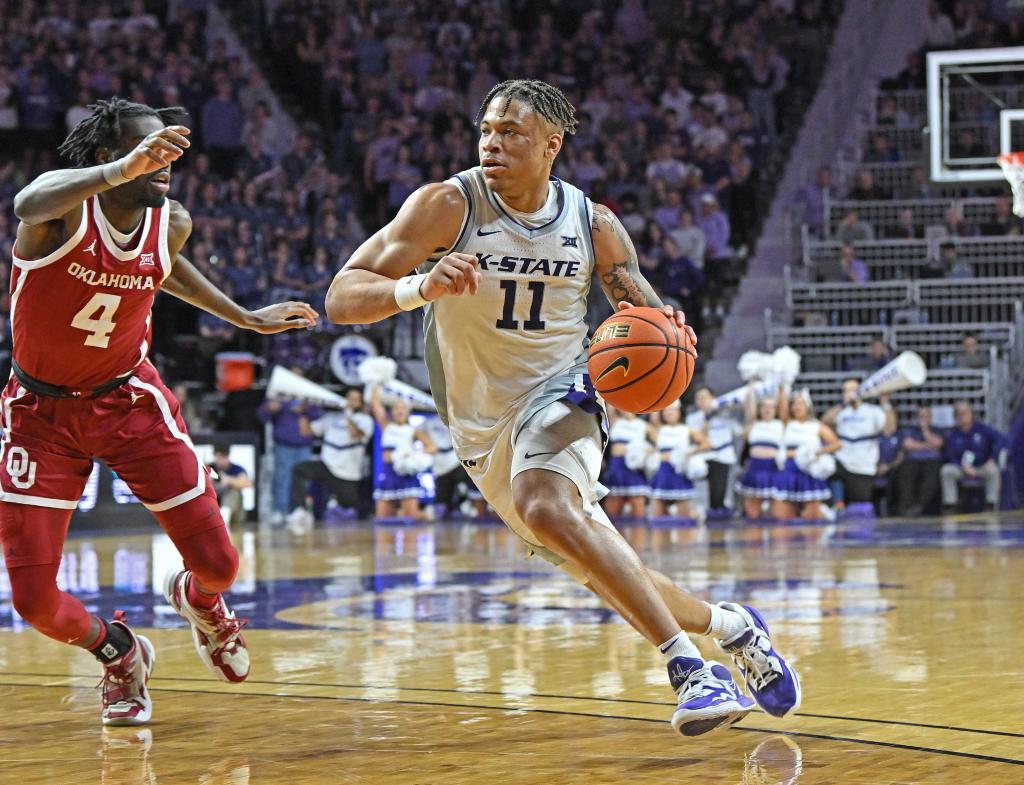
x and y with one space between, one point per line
640 361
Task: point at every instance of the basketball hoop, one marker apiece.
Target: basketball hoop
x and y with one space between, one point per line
1013 168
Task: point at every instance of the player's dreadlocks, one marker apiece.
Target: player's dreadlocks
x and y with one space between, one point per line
546 100
103 127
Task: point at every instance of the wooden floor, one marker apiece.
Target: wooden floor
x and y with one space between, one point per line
436 654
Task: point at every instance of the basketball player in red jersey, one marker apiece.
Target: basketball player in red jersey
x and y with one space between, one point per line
94 245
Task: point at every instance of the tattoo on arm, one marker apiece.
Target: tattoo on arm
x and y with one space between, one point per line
623 282
621 285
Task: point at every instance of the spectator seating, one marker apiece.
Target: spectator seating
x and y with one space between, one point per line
844 348
888 302
890 176
990 257
909 141
927 212
913 103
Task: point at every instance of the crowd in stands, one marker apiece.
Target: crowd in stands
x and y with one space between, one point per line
677 105
678 108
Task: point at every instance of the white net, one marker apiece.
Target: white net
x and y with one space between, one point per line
1013 168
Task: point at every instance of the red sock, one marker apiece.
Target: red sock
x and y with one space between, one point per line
198 599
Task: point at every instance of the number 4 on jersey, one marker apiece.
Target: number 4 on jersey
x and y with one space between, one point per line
99 327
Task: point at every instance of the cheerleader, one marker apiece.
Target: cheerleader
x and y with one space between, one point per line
721 432
763 434
624 475
450 479
806 440
675 442
398 492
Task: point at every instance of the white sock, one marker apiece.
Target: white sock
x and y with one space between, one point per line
679 645
724 623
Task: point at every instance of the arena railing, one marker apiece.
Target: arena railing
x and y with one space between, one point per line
890 176
910 141
927 212
838 348
891 302
847 304
970 299
915 102
824 348
893 259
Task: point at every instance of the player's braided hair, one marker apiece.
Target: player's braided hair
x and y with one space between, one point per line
546 100
103 127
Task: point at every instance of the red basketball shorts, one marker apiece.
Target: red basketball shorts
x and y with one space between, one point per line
48 445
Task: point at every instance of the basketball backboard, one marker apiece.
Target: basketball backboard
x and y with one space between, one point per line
975 112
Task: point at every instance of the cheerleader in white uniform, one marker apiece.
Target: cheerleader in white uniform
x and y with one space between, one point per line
805 440
626 486
764 434
721 432
397 492
675 442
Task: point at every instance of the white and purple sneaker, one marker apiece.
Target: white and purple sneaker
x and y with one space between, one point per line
708 696
773 683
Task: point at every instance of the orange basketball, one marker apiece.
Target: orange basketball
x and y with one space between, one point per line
640 361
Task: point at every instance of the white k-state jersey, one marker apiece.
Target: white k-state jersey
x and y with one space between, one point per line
489 355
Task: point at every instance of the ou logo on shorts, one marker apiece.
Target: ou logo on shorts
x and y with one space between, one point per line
18 466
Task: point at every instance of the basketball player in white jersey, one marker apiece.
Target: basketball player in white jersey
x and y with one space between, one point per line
510 253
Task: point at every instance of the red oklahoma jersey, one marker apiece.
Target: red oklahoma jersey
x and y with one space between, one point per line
81 315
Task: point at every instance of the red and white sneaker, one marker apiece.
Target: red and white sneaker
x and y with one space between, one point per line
126 700
216 633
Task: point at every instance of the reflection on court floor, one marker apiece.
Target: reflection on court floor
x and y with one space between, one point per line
436 653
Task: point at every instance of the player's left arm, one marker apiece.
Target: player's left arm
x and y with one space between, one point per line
186 283
618 269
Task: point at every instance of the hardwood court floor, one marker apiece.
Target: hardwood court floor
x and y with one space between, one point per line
435 654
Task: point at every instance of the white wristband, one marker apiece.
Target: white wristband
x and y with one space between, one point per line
407 292
114 174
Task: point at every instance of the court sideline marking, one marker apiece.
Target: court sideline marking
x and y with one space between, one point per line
798 734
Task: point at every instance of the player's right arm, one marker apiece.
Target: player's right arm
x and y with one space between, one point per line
363 291
50 207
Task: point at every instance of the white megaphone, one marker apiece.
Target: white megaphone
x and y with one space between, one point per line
394 391
739 395
907 370
288 384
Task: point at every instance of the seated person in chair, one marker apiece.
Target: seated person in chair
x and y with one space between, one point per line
231 480
972 452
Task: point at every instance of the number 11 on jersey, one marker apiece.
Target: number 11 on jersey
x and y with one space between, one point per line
507 320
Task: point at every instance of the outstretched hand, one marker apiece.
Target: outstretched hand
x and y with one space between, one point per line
280 317
676 316
156 151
